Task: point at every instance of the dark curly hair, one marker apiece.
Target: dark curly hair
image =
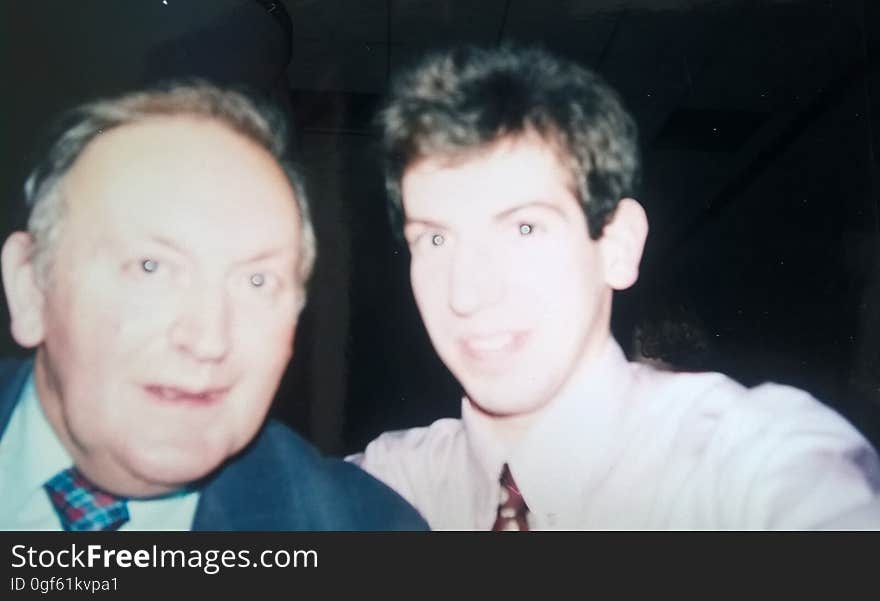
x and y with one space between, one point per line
469 97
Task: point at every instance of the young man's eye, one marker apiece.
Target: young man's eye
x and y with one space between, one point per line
257 280
425 240
526 229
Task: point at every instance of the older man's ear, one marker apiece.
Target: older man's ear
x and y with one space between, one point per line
24 296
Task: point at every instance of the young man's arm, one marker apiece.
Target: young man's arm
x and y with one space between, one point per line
423 465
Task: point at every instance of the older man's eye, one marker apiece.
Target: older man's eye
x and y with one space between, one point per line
150 265
257 280
438 240
525 229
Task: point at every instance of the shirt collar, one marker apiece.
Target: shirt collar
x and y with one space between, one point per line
570 448
42 454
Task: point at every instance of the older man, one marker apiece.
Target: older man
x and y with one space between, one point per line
160 280
511 172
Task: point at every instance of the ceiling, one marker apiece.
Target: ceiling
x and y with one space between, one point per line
721 87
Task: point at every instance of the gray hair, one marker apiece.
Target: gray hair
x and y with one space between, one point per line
468 98
260 124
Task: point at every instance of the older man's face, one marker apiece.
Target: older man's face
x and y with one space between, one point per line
171 305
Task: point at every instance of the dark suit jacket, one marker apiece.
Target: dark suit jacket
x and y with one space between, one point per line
279 482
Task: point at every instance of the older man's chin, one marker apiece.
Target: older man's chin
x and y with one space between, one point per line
145 477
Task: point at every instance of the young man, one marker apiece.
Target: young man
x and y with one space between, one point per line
160 280
511 172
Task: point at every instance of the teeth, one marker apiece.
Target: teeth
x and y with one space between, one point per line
490 343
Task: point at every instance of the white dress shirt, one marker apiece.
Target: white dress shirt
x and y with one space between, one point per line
30 454
637 448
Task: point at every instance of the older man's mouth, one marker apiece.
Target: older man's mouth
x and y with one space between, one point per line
175 394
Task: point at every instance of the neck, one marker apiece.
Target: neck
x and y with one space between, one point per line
507 430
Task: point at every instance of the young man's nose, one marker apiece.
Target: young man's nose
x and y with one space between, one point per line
474 279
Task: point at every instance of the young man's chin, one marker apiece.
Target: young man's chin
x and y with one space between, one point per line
507 402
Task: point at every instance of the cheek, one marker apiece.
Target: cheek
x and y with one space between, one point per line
429 283
538 270
84 335
557 279
263 341
263 351
122 319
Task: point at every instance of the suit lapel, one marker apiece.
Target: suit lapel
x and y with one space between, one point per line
212 512
255 491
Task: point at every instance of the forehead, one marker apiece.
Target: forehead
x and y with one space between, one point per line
181 177
499 177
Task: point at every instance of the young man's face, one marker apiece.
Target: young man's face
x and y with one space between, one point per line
515 295
171 306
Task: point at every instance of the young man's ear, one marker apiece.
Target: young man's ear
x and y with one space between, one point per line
23 294
622 243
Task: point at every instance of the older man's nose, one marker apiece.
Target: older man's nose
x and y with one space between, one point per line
202 326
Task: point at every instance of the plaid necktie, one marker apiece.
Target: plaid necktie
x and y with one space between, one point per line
82 506
513 509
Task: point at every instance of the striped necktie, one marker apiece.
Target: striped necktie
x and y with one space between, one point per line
512 509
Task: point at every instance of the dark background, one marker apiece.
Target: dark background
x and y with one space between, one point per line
759 124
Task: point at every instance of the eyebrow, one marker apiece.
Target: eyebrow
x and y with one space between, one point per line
260 256
423 222
538 204
168 243
271 253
